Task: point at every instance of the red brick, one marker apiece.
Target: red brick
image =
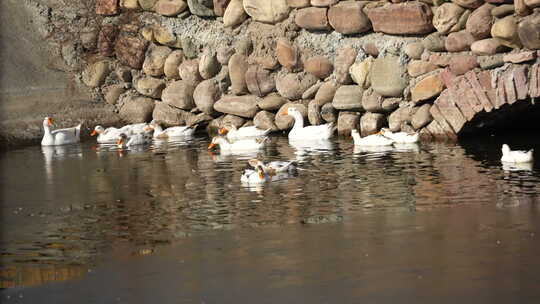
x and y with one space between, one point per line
448 111
533 83
458 97
479 91
511 95
520 81
501 94
130 51
404 18
484 78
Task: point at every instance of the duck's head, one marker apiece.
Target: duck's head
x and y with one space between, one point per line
254 162
223 131
260 171
121 140
290 111
47 122
97 130
505 148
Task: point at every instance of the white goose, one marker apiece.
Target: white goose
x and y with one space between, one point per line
370 140
310 132
134 128
256 176
239 145
106 136
60 136
134 140
400 137
233 133
179 131
273 167
516 156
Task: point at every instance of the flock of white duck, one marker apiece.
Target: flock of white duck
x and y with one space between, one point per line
246 139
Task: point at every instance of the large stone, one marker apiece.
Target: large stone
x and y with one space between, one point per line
490 62
149 86
506 29
346 122
113 92
107 7
414 50
388 76
94 75
434 42
398 117
164 36
314 112
234 120
371 123
459 41
179 94
130 51
469 3
105 40
420 67
259 81
238 66
136 109
529 31
312 18
372 102
286 54
271 102
480 22
348 97
189 71
427 88
243 106
348 18
447 16
322 3
390 104
490 46
170 8
206 94
147 5
409 18
461 64
155 60
267 11
202 8
191 50
265 120
220 6
173 61
298 3
329 113
168 116
345 57
422 117
503 10
319 66
519 57
293 85
360 72
285 122
234 14
327 91
312 91
208 64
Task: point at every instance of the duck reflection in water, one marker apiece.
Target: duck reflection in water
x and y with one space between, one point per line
304 148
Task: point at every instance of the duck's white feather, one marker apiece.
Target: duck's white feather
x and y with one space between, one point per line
400 137
517 156
298 130
370 140
60 136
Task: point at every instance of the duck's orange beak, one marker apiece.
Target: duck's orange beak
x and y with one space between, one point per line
285 112
93 133
49 121
222 131
261 174
147 128
211 146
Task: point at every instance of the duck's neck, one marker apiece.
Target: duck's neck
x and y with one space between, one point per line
157 130
223 142
356 136
298 121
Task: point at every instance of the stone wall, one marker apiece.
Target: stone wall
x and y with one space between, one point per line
426 66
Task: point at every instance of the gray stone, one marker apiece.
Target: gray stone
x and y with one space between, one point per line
490 62
244 106
202 8
94 75
272 102
168 116
259 81
172 63
179 94
348 97
149 86
206 94
388 76
189 71
208 64
113 92
312 91
329 113
399 116
422 117
233 120
347 121
327 91
371 123
238 66
136 109
265 120
155 60
434 42
293 85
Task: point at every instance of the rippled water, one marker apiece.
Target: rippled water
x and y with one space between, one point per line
63 207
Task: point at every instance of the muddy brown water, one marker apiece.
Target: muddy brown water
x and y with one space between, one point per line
171 223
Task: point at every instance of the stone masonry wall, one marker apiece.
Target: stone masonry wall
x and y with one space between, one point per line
426 66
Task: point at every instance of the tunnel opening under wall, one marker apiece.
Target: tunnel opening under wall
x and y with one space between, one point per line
522 116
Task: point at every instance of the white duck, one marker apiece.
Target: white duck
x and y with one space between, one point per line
517 156
256 176
273 167
106 136
310 132
134 128
134 140
233 133
178 131
60 136
370 140
239 145
400 137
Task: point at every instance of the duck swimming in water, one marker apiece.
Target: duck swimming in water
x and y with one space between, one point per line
60 136
517 156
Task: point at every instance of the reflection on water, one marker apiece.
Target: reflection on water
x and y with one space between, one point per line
63 206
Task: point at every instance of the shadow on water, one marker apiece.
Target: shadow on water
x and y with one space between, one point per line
65 209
